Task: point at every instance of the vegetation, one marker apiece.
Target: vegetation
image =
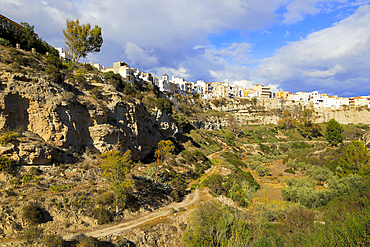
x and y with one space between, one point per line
356 160
26 38
81 39
102 215
32 234
334 132
213 224
164 148
6 164
280 181
116 166
161 104
32 214
53 241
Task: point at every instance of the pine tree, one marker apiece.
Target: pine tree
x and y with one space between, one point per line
334 132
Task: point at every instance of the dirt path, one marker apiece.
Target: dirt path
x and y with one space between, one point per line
116 229
162 212
255 145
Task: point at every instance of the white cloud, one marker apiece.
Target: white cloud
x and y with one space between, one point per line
136 56
330 58
299 9
168 28
324 73
172 36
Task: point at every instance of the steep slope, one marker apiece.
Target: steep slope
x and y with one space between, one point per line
68 115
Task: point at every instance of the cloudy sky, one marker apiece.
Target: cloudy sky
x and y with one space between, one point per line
293 45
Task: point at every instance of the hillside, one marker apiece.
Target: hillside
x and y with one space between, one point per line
86 152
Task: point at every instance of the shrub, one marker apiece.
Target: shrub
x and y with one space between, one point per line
179 185
53 241
215 183
27 178
53 68
35 171
300 219
346 184
88 67
5 42
17 68
53 73
302 190
212 224
289 171
8 137
89 242
6 164
102 215
320 174
106 199
32 234
32 214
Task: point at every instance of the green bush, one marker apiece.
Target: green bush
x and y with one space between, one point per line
5 42
8 137
35 171
6 164
289 171
53 241
89 242
88 67
32 234
179 185
320 173
215 183
32 214
27 178
160 103
212 224
106 199
54 65
346 184
334 132
102 215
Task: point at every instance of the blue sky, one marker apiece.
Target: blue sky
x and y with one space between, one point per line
292 45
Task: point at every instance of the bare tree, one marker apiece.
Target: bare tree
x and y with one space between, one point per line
234 125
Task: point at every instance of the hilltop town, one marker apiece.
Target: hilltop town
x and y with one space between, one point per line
213 90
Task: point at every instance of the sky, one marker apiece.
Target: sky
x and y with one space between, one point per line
291 45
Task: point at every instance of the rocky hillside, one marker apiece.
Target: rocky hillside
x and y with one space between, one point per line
81 109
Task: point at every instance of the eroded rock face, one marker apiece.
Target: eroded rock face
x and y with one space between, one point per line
65 117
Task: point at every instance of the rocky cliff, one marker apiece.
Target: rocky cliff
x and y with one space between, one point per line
269 112
66 117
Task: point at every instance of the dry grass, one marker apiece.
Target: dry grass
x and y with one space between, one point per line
271 185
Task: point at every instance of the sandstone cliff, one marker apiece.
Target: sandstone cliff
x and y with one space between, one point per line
66 117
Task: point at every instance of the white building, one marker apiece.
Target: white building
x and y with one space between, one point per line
164 84
64 54
97 65
203 88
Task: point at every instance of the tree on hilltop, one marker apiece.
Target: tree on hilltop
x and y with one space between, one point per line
82 39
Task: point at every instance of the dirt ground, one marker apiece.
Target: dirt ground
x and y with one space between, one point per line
270 191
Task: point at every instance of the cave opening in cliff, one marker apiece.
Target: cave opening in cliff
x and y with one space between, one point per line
17 109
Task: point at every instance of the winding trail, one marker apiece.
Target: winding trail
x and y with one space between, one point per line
190 199
116 229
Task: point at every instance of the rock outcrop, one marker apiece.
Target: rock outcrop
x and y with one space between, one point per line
67 118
